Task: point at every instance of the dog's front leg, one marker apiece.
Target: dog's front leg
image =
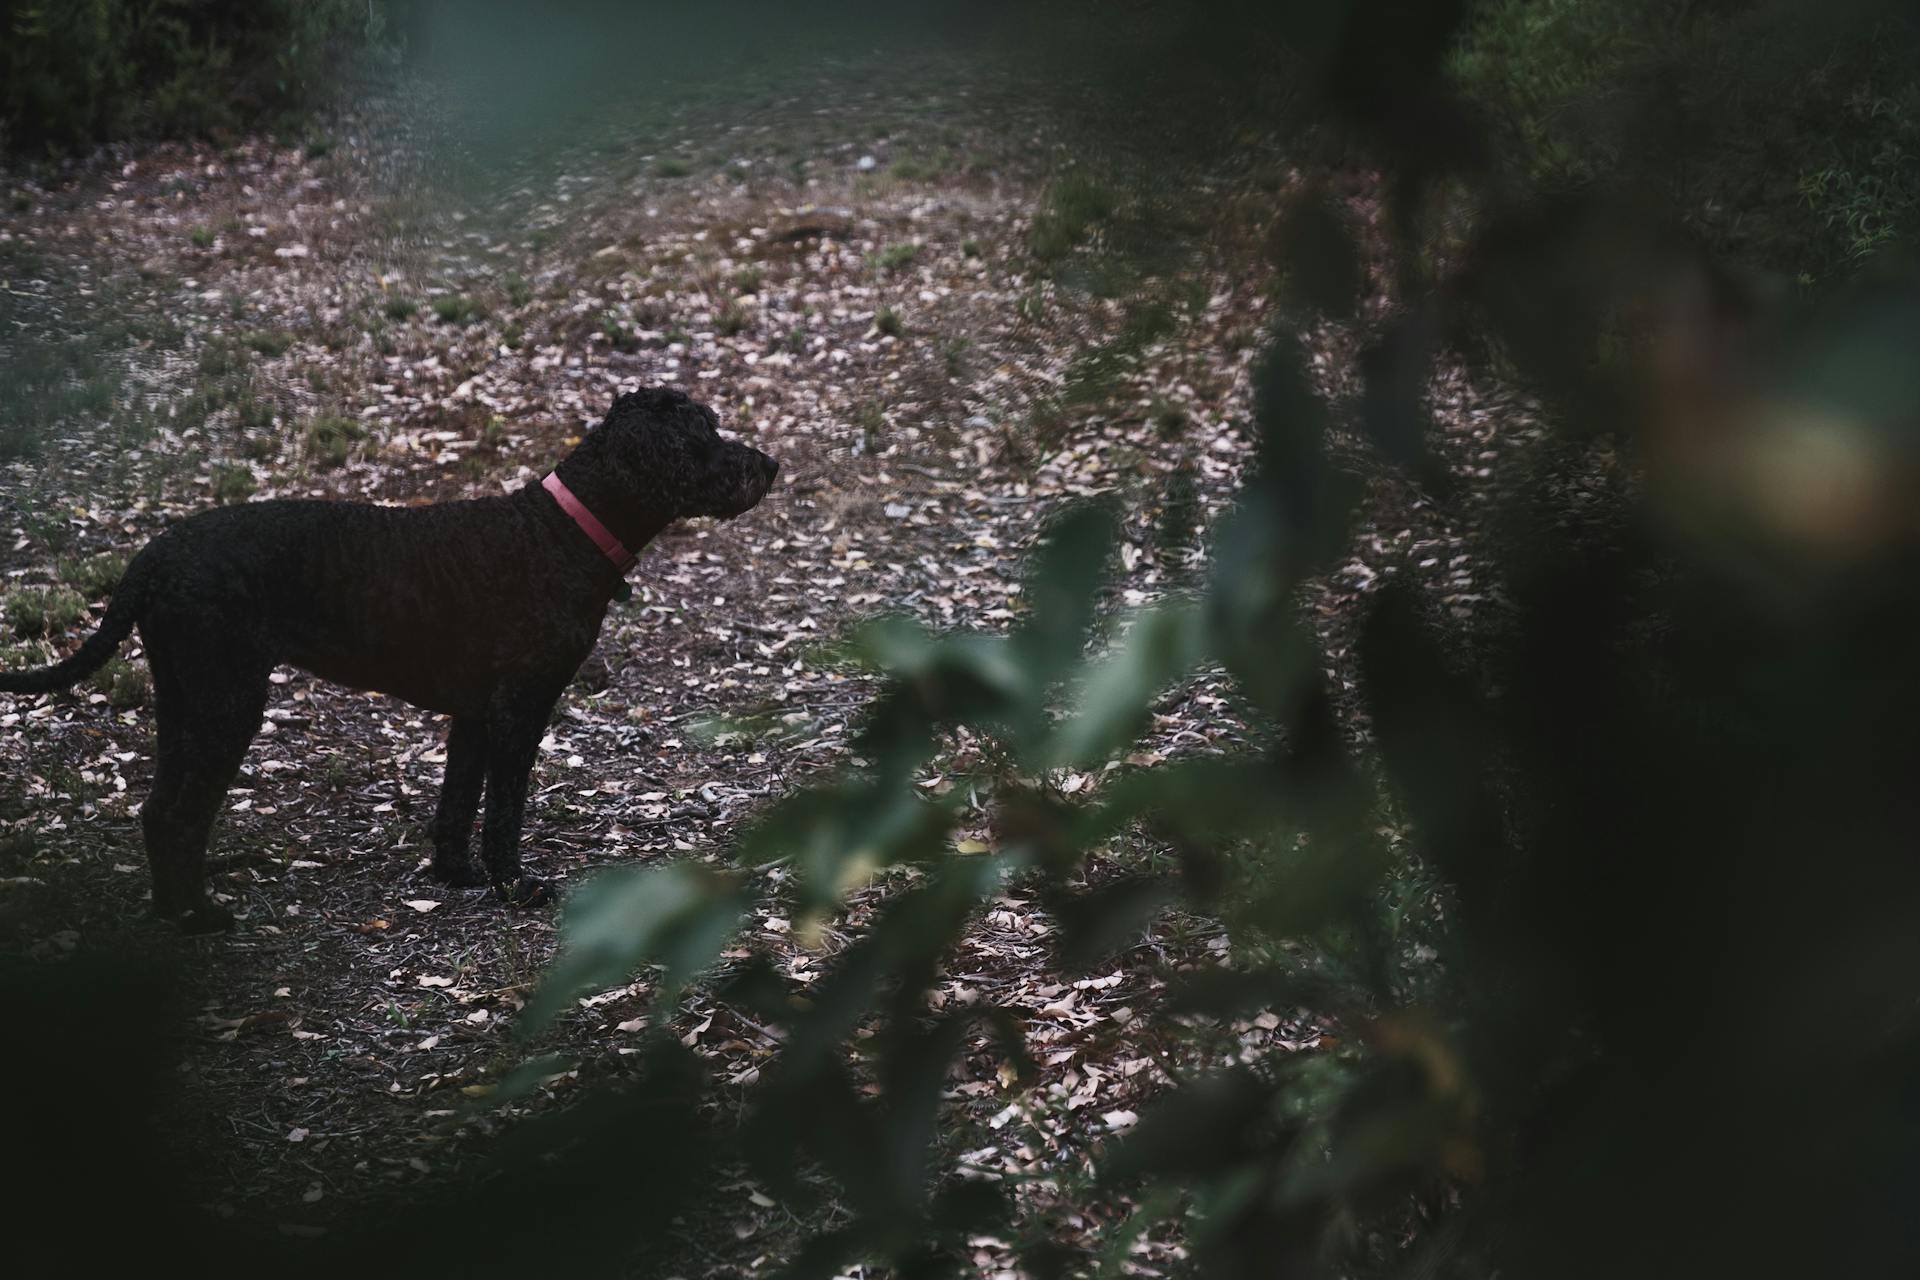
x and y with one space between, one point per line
452 827
514 727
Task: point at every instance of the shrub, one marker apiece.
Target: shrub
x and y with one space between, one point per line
44 611
124 684
94 576
85 70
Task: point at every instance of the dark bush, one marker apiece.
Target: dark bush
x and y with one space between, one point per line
79 71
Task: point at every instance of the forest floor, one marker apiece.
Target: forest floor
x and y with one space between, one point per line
842 266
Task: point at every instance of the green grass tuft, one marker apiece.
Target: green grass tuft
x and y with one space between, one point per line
1070 210
94 577
896 256
125 684
44 611
331 440
457 309
231 484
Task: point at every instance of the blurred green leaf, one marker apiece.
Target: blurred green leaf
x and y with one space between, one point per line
1061 588
1211 1124
677 916
1113 702
1394 373
1094 923
835 838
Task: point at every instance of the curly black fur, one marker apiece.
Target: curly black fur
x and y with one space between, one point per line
482 610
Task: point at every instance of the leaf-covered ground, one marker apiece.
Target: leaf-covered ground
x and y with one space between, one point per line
844 268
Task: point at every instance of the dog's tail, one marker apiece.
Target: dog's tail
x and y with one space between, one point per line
128 603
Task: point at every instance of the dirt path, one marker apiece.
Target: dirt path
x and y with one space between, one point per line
840 271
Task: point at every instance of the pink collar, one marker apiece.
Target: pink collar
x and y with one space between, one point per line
602 538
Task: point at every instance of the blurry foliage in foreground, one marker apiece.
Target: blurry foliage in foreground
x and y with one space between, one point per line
1666 797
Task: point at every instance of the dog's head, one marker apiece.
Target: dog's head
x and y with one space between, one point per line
667 449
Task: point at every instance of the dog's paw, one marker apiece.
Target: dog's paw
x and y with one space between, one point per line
205 918
460 875
526 892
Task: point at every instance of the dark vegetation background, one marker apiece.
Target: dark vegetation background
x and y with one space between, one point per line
1661 809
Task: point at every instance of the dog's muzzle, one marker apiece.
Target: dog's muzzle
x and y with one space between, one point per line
758 484
756 477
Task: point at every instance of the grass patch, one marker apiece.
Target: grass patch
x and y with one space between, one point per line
1068 214
872 421
1147 322
44 611
731 321
46 384
748 280
671 167
896 256
231 484
16 848
912 169
94 577
331 440
398 308
203 237
1168 418
269 342
220 358
251 413
457 309
618 336
125 684
1096 375
954 353
888 321
519 292
21 657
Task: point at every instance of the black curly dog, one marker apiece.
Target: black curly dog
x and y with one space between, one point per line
482 610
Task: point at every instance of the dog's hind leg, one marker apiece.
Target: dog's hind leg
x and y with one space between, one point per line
514 728
207 705
452 827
